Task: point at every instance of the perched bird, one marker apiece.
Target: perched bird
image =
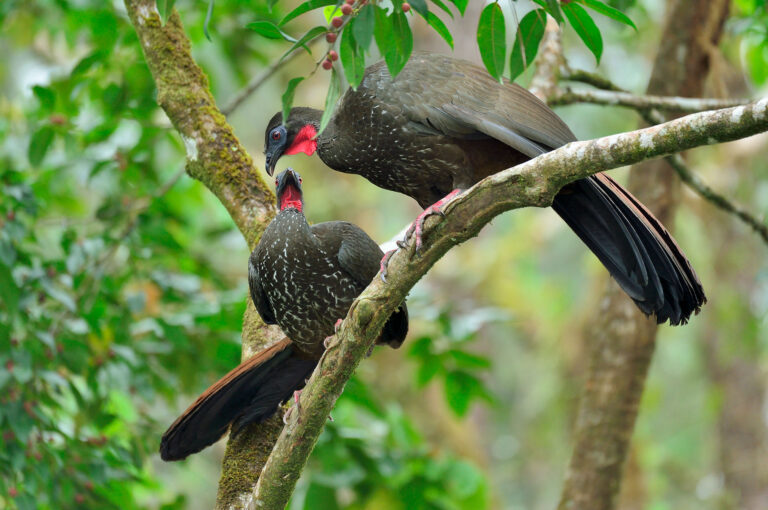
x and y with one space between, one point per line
443 124
303 278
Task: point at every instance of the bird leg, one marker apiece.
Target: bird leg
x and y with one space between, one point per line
327 341
386 257
418 225
296 395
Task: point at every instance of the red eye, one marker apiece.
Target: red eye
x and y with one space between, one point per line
276 135
277 182
301 180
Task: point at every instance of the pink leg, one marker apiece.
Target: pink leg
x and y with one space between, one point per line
296 395
429 211
385 260
326 342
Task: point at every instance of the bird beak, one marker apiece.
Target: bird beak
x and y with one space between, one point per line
271 162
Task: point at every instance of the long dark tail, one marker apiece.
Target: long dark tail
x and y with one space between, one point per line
250 393
633 245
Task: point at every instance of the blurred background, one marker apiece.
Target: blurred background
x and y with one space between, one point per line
123 285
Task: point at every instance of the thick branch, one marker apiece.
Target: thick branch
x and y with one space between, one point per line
533 183
214 154
216 158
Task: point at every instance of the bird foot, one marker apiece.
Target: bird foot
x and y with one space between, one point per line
417 228
327 342
287 415
385 260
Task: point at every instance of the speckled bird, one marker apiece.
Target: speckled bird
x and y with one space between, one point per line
303 278
443 124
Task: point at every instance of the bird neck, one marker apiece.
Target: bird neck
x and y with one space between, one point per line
291 198
306 139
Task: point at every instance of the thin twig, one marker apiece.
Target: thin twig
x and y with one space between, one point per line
260 79
621 98
645 106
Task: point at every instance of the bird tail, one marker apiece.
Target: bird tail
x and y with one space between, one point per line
633 245
250 393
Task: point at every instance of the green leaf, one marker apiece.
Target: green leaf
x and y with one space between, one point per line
269 30
270 4
334 91
46 96
585 27
331 12
611 12
552 7
39 145
527 39
444 7
440 28
467 360
427 370
352 59
461 5
420 6
363 26
491 39
165 7
307 6
309 36
394 39
290 91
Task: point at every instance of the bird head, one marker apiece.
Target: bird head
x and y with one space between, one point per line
297 134
288 190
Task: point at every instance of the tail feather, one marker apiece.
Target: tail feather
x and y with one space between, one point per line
249 393
636 249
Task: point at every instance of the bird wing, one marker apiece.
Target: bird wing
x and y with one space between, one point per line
258 295
442 95
357 253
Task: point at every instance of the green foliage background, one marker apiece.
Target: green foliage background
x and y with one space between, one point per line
123 285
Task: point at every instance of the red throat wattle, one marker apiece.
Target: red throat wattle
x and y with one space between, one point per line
304 142
291 197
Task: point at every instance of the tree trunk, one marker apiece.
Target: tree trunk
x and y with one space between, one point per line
623 339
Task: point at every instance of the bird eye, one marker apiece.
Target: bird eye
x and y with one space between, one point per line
301 180
276 135
277 181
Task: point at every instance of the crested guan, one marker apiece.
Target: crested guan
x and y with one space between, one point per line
443 124
302 278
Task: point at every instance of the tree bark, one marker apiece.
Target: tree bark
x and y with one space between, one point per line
623 339
217 159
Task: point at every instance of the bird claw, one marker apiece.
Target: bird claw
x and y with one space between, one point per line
327 341
296 395
417 228
385 259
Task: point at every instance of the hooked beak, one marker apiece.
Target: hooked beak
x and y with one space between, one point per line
270 163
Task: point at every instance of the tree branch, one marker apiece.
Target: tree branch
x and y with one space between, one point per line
617 97
647 106
217 159
533 183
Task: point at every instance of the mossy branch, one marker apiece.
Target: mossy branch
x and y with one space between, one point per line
217 159
533 183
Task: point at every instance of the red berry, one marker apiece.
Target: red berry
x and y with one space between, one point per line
333 55
13 492
337 22
331 37
406 7
327 64
57 119
346 9
350 2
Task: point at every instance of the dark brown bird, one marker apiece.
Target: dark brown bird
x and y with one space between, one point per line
303 278
444 124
